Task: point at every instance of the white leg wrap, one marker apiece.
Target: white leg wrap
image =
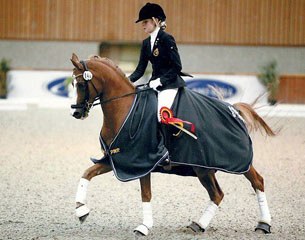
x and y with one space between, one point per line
142 229
82 211
263 207
147 219
208 214
147 214
81 193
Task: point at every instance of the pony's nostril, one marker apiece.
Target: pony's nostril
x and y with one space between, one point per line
77 115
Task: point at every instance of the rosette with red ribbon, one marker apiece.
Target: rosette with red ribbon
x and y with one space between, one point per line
167 117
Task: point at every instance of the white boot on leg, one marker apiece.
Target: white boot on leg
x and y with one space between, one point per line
81 195
147 220
263 207
205 219
208 214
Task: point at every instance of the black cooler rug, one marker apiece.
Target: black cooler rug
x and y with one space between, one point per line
223 142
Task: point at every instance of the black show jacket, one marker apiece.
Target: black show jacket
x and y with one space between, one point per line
165 60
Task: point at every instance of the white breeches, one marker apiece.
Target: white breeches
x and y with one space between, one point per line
165 98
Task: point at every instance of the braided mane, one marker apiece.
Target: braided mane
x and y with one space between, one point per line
109 63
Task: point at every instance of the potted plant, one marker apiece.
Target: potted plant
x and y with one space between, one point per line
270 79
4 68
68 82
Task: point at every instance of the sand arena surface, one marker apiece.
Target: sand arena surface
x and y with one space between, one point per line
45 151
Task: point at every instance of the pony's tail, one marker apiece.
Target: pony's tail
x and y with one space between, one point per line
253 121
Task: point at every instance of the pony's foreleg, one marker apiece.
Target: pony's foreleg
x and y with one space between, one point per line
208 180
82 211
143 229
257 183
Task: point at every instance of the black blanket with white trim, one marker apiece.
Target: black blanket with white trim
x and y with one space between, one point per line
138 147
223 142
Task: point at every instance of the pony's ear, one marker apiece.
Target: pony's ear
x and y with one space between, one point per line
75 62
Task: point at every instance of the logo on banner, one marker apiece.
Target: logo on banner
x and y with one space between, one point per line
58 87
211 88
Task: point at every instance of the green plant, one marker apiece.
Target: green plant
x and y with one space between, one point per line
4 68
4 65
269 77
68 81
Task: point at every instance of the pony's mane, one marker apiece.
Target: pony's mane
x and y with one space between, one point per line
109 63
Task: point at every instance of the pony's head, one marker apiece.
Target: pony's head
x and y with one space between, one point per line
86 86
97 79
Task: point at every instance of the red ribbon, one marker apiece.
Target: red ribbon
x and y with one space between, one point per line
167 117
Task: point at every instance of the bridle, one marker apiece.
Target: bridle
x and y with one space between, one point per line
87 77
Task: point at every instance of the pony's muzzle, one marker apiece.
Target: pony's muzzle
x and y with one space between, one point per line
77 111
77 114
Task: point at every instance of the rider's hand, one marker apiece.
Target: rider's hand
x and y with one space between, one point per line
155 83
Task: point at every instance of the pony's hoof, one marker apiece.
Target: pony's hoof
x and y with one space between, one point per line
141 231
138 235
263 227
195 227
82 212
83 218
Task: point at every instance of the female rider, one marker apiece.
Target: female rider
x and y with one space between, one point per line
161 50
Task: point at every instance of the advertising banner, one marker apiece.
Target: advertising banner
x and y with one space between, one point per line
48 89
37 84
45 86
232 88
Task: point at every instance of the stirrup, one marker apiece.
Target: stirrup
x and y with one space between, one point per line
165 163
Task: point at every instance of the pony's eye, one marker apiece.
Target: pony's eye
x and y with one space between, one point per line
81 85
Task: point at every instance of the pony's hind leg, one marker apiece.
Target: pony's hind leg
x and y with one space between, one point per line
82 211
208 180
143 229
257 182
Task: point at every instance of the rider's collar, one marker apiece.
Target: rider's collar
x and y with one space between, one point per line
153 35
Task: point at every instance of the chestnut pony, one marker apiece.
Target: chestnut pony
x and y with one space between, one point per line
100 79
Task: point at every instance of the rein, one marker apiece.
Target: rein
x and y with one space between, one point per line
118 97
87 76
89 105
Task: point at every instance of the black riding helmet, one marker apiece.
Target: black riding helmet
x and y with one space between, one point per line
151 10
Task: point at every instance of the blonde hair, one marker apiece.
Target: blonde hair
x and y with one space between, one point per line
159 23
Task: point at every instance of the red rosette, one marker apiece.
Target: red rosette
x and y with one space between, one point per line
166 114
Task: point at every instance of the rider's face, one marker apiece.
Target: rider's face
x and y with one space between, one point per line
148 26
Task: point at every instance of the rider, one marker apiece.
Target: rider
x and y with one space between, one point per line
161 50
